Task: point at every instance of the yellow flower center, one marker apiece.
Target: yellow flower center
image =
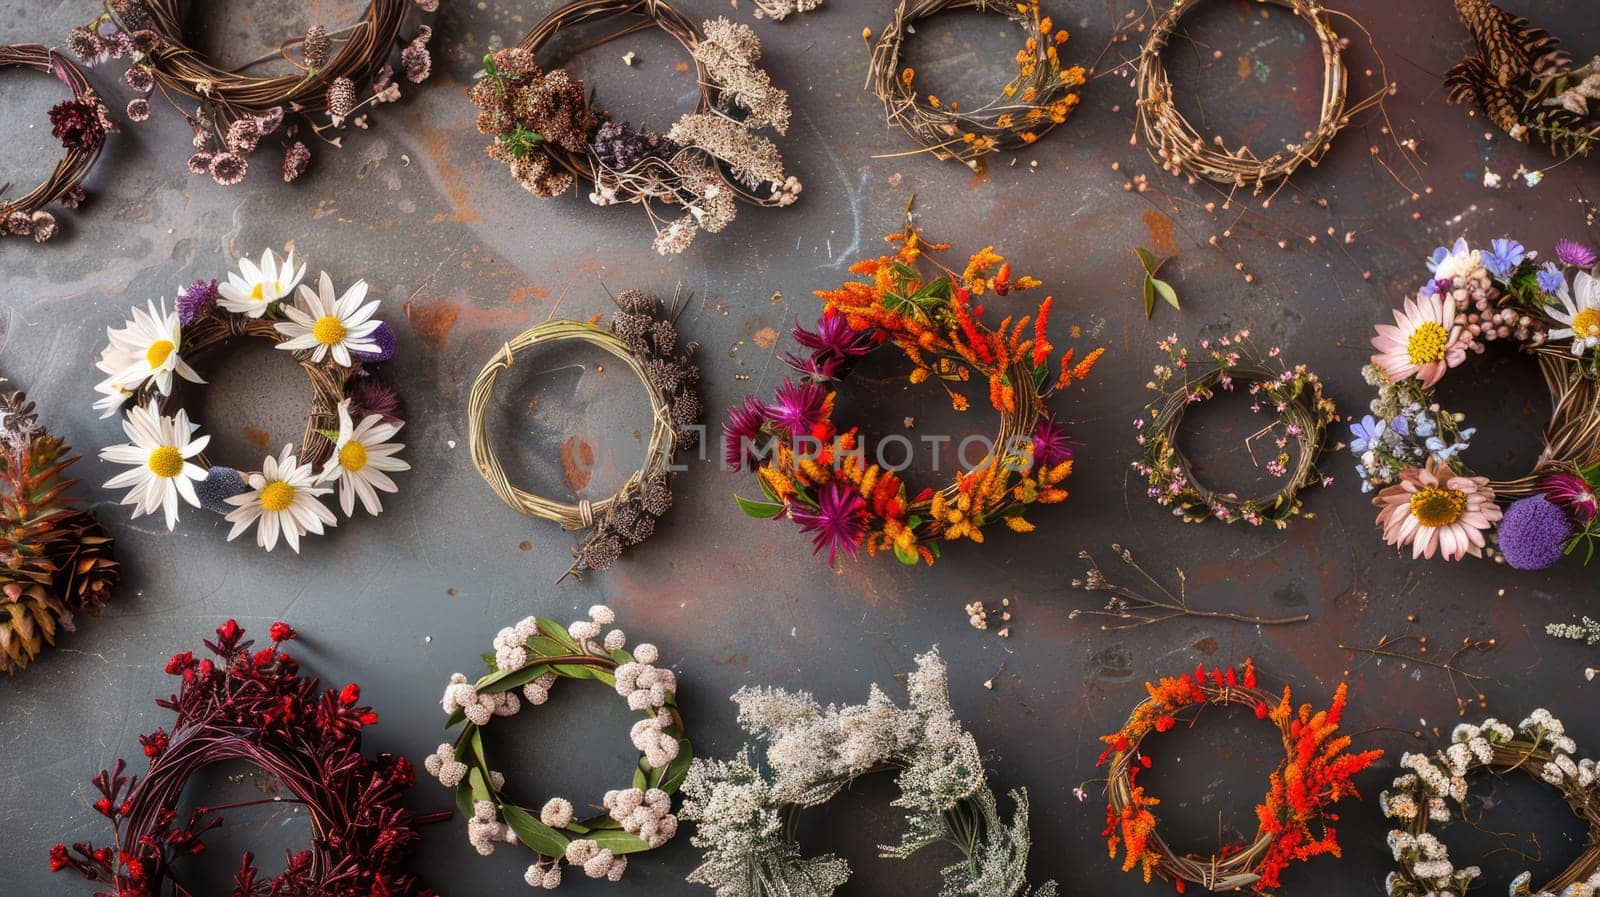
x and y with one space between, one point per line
1436 506
328 330
277 496
353 456
1427 343
1587 322
165 462
158 352
258 292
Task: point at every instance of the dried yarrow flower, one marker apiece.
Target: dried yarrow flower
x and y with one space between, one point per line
139 80
295 160
729 52
778 10
539 176
228 169
754 160
243 135
557 107
138 109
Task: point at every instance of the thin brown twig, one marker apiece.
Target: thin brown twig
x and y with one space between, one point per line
1138 608
1387 647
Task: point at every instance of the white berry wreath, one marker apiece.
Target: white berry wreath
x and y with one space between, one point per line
1421 797
335 338
531 656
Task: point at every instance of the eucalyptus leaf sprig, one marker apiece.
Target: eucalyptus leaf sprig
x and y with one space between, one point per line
1153 285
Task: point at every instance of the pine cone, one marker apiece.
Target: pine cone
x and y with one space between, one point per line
1513 50
316 47
1471 82
30 617
88 571
341 99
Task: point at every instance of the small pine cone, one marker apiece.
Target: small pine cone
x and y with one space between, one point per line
316 47
600 552
642 529
631 329
624 514
417 61
243 135
295 160
19 224
657 497
664 375
686 408
638 302
341 99
665 336
88 572
228 169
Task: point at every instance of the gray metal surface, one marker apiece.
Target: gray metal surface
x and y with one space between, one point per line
463 259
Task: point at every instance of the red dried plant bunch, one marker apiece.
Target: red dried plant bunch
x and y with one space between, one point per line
821 476
253 705
80 123
1295 819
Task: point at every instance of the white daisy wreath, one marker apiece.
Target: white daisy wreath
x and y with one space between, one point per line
334 337
531 656
1422 796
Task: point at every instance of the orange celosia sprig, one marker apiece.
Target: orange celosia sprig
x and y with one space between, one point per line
927 309
1294 819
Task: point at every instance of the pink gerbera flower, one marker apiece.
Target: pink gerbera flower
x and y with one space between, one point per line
1434 509
1423 342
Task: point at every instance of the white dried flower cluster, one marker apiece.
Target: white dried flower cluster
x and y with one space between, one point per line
644 684
557 812
596 861
812 753
778 10
1432 782
443 765
651 738
485 829
647 814
478 708
544 874
729 51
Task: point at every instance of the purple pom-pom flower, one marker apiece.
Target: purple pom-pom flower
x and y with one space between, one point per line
385 338
196 300
1575 254
1050 443
1534 532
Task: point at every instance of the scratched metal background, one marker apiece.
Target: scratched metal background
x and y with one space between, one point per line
463 259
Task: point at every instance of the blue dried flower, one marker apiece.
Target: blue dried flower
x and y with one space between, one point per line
1503 257
1551 280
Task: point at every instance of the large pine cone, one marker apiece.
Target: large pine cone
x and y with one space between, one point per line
87 572
30 616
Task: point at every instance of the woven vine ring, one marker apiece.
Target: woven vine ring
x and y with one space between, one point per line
531 656
80 124
643 337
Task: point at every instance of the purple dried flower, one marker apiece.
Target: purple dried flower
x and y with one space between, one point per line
138 110
243 135
417 62
369 396
798 407
1572 492
73 198
834 335
228 169
139 80
77 125
385 338
269 121
295 160
1575 254
839 522
1050 443
1534 532
85 44
740 432
196 300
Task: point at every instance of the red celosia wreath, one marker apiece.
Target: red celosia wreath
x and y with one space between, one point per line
821 475
255 706
1294 819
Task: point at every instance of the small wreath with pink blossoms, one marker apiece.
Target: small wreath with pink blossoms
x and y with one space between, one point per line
347 445
531 656
1412 451
1291 395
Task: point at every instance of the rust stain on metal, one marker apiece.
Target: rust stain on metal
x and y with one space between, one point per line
1161 228
434 321
436 143
766 337
257 437
577 462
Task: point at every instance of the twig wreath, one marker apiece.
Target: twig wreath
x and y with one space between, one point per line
1422 796
236 111
1041 96
255 706
549 134
81 124
1173 141
353 417
56 559
818 475
1294 818
1412 451
643 335
1291 395
744 814
532 656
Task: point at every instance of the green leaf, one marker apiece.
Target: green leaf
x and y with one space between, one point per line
573 670
1149 297
761 510
678 769
1166 291
534 833
552 629
639 780
618 842
543 646
1147 259
506 680
456 718
909 558
464 801
476 784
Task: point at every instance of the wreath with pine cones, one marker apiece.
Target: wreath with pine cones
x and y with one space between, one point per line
58 559
81 124
340 74
255 706
644 336
547 132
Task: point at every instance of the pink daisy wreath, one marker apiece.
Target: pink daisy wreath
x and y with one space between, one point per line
1411 451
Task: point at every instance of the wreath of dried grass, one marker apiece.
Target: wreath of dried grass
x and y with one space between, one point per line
549 135
1174 142
1421 797
744 808
532 656
1294 398
1294 818
1041 96
80 123
642 334
237 110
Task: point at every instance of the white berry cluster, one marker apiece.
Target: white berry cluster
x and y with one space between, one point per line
650 737
485 829
645 685
479 708
443 765
1424 792
597 861
647 814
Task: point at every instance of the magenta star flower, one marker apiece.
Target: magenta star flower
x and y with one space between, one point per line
740 432
1575 254
1572 492
1050 443
798 407
834 348
839 522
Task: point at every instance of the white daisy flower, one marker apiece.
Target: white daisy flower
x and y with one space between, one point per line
362 458
324 324
254 292
283 497
159 450
147 349
112 397
1580 311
